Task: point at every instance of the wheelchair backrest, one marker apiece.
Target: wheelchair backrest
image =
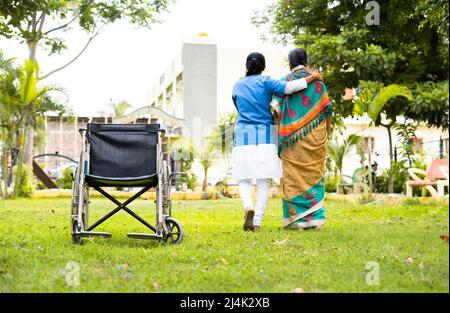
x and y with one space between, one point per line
122 150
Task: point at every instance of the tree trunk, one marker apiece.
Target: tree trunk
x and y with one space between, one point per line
32 46
205 179
29 146
18 173
391 160
5 171
1 185
6 174
29 142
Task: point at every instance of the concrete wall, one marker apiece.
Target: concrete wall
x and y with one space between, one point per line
199 87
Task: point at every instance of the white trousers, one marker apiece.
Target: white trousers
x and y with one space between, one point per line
262 193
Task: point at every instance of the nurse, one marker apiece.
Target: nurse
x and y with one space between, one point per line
254 155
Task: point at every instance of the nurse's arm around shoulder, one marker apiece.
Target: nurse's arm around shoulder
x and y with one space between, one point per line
294 86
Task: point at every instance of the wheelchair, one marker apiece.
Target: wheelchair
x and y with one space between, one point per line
123 155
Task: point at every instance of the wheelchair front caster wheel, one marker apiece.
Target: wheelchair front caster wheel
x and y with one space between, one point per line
174 233
76 238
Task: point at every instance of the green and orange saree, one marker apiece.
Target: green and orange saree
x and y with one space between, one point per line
302 143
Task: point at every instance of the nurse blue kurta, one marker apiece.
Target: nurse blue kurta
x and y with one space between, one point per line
255 140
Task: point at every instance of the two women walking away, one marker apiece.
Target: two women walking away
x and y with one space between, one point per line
255 149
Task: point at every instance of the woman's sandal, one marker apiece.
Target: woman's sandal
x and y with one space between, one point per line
248 220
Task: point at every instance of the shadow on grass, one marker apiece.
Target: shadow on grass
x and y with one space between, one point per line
119 241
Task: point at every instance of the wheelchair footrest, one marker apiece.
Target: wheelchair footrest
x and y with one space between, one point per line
95 233
144 236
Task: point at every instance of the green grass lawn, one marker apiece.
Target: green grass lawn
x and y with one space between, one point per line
217 256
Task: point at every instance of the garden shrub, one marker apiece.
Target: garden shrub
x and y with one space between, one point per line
65 182
400 178
330 183
191 180
223 187
40 185
26 188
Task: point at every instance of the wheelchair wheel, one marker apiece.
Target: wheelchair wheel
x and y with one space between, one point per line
76 238
85 213
175 234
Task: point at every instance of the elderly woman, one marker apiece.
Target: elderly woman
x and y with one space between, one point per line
254 146
304 122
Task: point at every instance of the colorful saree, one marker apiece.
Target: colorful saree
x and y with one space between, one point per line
302 143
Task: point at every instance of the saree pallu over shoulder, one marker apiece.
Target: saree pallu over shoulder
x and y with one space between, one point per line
302 112
294 134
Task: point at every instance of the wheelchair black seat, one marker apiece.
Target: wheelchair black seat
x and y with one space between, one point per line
122 155
142 181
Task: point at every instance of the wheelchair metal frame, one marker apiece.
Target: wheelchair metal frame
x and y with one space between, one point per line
166 229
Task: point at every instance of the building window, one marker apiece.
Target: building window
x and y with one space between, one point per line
169 99
366 143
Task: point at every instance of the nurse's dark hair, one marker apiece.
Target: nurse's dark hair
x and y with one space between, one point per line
256 63
298 56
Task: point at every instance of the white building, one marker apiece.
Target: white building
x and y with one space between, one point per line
428 142
197 84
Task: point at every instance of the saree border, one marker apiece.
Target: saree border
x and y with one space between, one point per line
290 220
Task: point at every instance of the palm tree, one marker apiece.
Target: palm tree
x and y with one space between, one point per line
190 149
206 161
338 151
23 102
373 101
34 101
120 108
8 115
222 134
6 65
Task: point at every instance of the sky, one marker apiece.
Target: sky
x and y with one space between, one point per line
123 61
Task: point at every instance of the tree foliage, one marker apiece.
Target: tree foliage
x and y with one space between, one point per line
435 13
383 104
337 151
374 98
221 137
44 22
407 48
